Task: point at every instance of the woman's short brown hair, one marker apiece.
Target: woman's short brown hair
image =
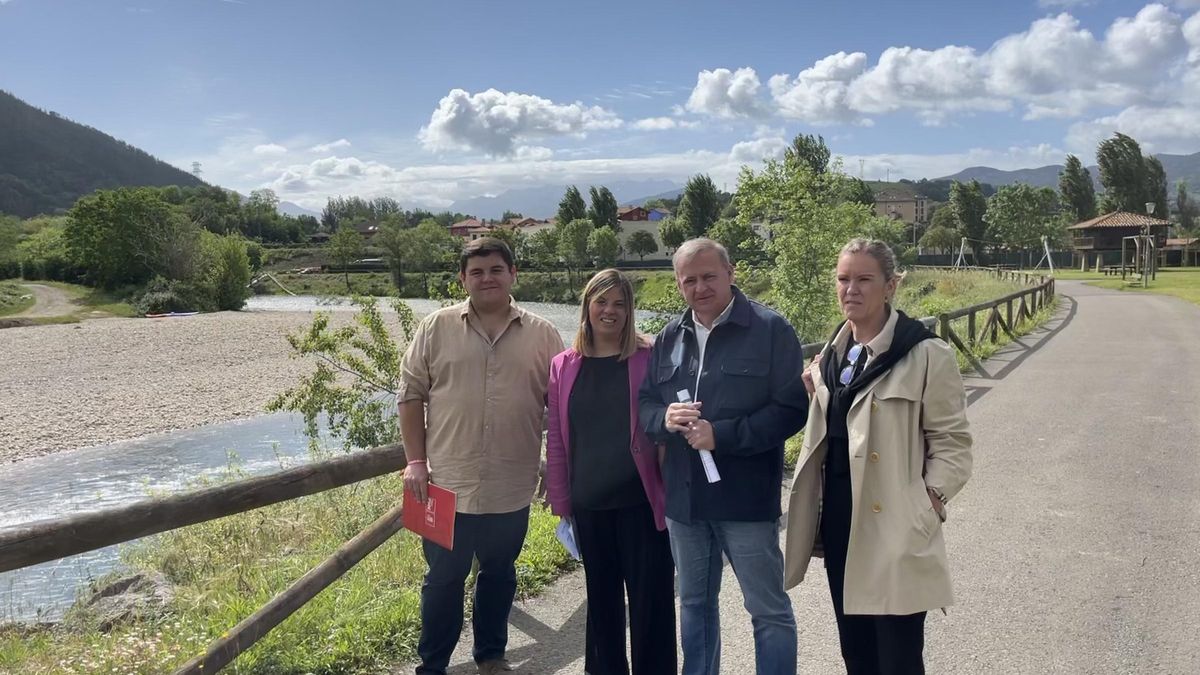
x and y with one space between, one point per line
598 285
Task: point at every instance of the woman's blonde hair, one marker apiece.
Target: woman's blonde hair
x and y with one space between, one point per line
881 252
601 283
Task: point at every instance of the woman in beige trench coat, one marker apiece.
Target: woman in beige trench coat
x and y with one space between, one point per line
886 447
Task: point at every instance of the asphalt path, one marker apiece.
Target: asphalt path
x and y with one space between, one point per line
1075 548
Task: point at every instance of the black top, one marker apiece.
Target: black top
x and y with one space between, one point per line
908 334
603 475
754 397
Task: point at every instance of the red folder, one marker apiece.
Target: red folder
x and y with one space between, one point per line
434 519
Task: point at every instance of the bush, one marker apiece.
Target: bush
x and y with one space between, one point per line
163 296
226 271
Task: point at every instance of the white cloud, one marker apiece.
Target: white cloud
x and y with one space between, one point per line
533 153
1055 68
818 94
269 149
726 93
331 146
663 123
495 122
1171 129
768 147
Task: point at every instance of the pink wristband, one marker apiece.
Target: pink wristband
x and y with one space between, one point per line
417 461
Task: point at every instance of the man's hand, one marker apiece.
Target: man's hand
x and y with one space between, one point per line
807 374
681 415
700 435
416 480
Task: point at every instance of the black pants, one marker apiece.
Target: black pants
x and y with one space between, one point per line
871 644
495 539
622 551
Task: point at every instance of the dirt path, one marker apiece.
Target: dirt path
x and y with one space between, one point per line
48 301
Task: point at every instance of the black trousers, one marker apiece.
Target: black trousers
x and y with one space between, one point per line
623 552
871 644
496 540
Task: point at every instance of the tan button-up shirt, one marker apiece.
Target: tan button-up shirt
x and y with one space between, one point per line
484 403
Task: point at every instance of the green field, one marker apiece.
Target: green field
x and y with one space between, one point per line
14 298
1181 282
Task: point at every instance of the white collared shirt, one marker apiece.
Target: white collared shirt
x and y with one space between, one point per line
702 334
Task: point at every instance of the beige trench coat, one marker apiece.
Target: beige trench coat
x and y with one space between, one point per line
907 430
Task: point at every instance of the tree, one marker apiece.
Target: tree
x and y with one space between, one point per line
672 233
431 247
264 199
10 235
226 276
809 226
514 238
1078 192
700 206
396 241
1185 206
571 206
641 243
1020 215
739 238
1156 186
858 192
345 246
941 239
603 246
810 151
1123 174
509 215
968 204
604 209
573 242
542 249
107 234
944 217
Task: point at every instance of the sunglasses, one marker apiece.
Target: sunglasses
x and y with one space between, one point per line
848 371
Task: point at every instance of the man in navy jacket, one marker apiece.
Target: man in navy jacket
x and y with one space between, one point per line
739 363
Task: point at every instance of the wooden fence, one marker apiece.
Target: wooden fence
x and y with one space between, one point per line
57 538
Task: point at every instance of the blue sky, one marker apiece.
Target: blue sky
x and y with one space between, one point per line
429 102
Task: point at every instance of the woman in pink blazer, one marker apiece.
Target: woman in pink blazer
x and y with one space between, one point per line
602 473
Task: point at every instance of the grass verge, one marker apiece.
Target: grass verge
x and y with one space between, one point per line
226 569
1180 282
14 298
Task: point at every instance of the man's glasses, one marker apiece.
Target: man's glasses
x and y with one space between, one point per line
848 371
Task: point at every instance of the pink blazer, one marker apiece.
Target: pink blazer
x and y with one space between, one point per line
563 371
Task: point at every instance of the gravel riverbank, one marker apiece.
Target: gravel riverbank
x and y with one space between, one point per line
64 387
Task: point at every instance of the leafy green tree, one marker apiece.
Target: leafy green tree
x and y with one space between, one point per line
603 246
672 232
509 215
355 379
739 238
944 217
571 206
514 238
700 205
1185 206
968 204
107 234
573 242
10 235
941 239
345 246
1078 192
1123 172
809 226
604 209
1156 186
395 239
641 243
810 151
432 247
43 255
226 277
858 192
542 248
1020 215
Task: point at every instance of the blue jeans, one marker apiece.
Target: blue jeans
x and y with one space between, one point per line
753 551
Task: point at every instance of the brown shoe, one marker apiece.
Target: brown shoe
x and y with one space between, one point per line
494 667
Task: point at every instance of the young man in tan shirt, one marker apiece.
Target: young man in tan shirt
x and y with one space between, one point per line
472 398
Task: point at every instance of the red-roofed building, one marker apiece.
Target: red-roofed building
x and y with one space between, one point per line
1097 242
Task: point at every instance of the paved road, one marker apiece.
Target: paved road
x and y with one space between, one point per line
48 301
1076 545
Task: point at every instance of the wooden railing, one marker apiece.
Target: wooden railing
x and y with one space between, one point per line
1039 292
57 538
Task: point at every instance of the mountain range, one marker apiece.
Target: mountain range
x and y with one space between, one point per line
1184 168
542 201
